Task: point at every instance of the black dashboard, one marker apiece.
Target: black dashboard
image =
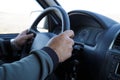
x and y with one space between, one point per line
87 34
86 28
99 37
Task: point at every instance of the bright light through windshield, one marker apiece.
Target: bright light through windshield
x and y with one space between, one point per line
18 6
108 8
16 15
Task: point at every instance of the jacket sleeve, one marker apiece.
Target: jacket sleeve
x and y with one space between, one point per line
5 48
37 66
8 53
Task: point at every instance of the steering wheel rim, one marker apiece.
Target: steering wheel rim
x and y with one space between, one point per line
62 15
33 29
41 39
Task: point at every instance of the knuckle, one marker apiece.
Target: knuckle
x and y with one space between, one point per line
71 41
62 35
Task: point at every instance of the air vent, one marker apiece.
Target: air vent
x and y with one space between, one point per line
116 45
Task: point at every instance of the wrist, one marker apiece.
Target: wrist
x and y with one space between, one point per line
14 45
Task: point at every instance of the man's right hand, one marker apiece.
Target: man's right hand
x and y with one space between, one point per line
62 44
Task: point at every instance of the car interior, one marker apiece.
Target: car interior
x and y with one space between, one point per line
96 52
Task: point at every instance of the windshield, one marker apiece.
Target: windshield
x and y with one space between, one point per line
109 8
17 15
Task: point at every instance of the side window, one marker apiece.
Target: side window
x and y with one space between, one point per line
16 15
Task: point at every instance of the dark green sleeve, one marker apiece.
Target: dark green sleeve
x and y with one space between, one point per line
36 66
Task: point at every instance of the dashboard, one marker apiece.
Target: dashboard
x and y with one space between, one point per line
88 35
99 56
87 29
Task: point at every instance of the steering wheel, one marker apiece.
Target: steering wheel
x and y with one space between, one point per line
41 39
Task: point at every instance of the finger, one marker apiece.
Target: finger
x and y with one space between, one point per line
69 33
29 36
25 31
72 41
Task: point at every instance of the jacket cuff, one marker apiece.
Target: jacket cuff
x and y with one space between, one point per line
8 47
52 54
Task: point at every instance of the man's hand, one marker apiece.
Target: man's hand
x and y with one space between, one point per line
21 39
62 45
